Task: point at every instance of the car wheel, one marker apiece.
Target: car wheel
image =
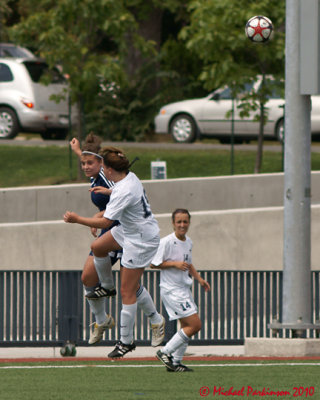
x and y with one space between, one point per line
183 129
54 134
280 130
9 126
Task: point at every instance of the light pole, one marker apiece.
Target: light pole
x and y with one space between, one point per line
297 182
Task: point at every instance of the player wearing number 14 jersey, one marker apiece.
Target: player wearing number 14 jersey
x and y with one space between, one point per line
175 261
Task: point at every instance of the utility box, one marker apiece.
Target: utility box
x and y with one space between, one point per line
309 47
158 170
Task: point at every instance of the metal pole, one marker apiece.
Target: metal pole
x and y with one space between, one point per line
297 182
232 137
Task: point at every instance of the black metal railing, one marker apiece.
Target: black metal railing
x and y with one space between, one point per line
48 308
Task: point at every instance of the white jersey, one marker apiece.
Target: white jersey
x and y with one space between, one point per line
129 205
174 249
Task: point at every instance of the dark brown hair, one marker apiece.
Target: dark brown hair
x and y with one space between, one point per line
180 211
115 158
92 143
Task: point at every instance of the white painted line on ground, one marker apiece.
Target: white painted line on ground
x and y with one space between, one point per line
280 364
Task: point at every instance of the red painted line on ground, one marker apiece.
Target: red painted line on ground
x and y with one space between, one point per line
190 358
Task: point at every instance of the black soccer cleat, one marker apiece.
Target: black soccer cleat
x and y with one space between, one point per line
99 292
165 359
180 368
121 349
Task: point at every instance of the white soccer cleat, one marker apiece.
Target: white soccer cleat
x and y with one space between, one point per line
158 333
97 333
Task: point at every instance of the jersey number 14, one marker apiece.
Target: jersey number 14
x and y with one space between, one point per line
185 306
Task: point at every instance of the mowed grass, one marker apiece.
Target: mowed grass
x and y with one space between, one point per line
27 166
127 380
51 165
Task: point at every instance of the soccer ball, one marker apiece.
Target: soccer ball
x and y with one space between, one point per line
69 349
259 29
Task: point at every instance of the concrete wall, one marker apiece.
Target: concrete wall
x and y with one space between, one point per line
237 222
41 203
247 239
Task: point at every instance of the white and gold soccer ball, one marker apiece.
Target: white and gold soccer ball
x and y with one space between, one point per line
259 29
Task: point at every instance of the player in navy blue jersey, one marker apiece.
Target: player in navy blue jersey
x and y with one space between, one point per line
92 166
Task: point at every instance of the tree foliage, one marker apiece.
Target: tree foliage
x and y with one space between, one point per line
216 35
126 58
99 43
70 34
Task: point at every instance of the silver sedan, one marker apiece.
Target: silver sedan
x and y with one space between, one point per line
190 119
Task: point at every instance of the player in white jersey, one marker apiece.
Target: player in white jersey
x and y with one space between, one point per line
174 258
137 235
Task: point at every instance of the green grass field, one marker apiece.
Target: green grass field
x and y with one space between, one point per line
51 165
26 166
127 380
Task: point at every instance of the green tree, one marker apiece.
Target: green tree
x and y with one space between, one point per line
102 45
216 35
70 33
158 69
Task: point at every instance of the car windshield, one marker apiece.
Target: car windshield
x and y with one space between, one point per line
226 93
14 51
275 91
39 71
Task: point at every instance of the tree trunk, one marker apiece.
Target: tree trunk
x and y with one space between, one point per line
257 168
150 29
80 132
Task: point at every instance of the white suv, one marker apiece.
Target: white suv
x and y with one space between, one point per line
25 104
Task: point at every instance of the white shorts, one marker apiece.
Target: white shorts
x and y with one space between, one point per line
135 253
179 303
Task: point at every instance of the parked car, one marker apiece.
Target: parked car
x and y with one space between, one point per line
14 51
25 104
190 119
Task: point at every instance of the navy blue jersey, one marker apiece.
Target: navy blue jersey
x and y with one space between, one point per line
101 201
98 199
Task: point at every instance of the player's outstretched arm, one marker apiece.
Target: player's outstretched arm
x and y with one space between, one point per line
94 231
95 222
75 146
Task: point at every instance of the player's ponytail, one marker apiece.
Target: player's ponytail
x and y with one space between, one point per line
92 143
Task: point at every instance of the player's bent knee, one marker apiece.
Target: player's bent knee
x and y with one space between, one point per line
93 247
196 326
84 278
128 296
98 250
88 279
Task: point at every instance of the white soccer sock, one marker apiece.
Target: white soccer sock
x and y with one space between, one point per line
97 307
175 342
146 303
127 318
104 270
179 353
